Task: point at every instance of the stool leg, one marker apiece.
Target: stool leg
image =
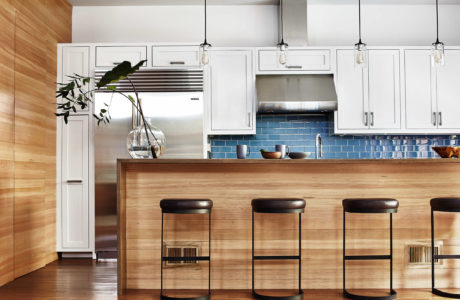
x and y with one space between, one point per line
161 282
209 254
300 252
343 268
253 251
432 249
391 252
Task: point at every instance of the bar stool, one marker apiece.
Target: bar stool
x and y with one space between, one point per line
448 204
277 205
186 206
370 206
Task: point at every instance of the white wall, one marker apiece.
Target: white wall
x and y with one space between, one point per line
256 25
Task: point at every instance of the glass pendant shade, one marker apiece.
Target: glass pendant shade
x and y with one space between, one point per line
437 54
361 57
139 146
282 53
204 54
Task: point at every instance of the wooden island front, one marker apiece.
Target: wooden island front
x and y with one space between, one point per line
232 184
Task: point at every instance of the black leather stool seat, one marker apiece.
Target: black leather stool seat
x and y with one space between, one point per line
446 204
370 205
278 205
186 206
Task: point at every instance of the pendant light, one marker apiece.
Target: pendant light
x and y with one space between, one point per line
282 46
204 47
360 47
437 51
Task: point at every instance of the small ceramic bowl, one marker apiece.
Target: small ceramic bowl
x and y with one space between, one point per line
271 155
299 155
447 152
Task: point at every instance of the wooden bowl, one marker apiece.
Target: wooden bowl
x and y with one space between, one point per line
271 155
447 152
299 155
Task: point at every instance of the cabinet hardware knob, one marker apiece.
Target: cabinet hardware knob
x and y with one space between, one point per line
177 62
366 119
440 119
74 181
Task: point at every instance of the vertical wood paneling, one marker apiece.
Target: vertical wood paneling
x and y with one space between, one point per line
6 141
30 32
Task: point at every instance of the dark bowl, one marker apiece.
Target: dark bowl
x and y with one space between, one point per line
271 155
447 152
299 155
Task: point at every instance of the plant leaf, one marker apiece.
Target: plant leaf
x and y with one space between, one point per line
118 73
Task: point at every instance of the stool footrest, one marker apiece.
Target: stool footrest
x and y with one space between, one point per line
265 297
454 256
367 257
186 258
205 297
445 294
391 296
276 257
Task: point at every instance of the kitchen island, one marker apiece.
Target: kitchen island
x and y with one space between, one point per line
231 184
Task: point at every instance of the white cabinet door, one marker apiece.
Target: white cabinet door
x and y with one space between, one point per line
75 60
74 198
384 89
352 112
107 56
180 56
420 90
296 60
448 92
231 92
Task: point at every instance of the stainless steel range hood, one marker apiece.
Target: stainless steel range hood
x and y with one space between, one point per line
296 93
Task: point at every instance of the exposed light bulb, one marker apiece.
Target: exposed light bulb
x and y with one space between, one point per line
360 54
437 54
204 53
283 47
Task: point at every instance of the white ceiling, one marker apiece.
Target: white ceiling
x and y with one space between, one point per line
242 2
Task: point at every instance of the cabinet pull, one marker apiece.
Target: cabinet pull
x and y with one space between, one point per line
177 62
366 119
433 119
249 119
294 67
74 181
440 119
116 63
372 118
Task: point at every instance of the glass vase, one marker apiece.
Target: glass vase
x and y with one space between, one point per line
146 141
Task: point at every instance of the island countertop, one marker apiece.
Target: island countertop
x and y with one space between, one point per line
231 184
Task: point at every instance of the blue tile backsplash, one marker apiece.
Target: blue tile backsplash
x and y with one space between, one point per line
299 132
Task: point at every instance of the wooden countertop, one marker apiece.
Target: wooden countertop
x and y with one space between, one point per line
286 161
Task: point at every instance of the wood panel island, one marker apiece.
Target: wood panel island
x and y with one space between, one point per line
232 184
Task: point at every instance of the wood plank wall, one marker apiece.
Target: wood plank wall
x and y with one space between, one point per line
30 32
232 186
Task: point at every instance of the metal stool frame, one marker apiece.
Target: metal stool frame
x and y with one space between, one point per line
188 258
283 257
347 294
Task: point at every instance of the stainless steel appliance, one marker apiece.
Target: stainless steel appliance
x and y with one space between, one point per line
173 101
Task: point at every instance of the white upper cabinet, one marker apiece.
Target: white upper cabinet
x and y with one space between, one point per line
384 89
368 98
353 104
432 94
108 56
296 60
448 92
176 56
420 90
75 60
231 91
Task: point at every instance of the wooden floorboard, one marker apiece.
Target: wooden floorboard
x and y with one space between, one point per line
84 279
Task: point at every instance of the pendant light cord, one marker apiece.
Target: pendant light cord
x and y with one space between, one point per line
205 21
359 11
282 22
437 22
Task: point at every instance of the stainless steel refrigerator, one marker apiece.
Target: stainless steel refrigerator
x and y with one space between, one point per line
173 101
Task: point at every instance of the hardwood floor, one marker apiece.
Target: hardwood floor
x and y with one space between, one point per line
85 279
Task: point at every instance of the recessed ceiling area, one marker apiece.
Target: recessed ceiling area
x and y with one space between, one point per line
243 2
